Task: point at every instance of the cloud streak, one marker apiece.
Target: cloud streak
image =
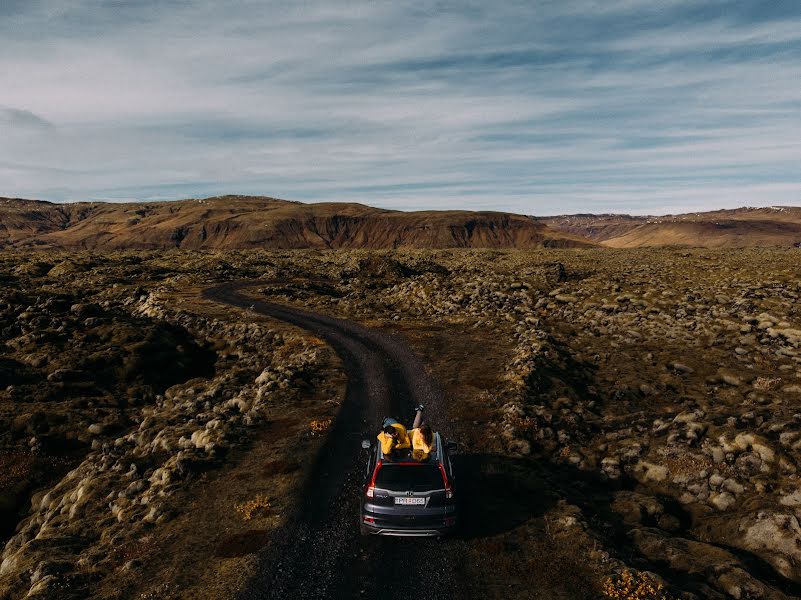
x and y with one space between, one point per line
540 108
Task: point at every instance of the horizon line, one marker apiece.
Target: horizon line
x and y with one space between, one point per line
308 202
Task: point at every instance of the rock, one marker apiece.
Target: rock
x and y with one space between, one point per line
730 379
265 376
776 538
34 268
30 423
668 522
83 311
610 465
44 588
64 375
738 583
636 508
519 447
791 499
749 441
9 564
689 416
748 464
731 485
650 472
201 437
722 501
678 554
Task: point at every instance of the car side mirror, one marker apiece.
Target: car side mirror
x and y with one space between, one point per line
452 446
366 444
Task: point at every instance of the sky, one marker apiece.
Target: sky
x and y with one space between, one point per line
537 107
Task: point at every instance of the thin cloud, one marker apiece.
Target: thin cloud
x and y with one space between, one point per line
571 106
15 118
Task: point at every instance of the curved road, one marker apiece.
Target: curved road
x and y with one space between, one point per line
321 554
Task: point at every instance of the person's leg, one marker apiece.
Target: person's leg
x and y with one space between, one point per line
418 419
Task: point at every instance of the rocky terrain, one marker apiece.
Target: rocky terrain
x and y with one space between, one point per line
629 418
667 383
113 403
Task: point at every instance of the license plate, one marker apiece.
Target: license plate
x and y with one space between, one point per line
410 501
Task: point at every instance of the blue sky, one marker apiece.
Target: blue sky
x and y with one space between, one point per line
550 107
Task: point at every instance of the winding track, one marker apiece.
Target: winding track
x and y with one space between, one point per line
320 553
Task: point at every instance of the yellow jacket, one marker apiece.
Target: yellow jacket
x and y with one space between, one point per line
420 450
388 443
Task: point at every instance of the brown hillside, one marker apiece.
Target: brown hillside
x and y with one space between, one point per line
735 228
249 222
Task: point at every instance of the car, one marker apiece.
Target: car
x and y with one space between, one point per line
402 496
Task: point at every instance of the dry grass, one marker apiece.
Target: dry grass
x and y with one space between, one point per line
689 464
319 427
248 509
524 424
135 549
15 467
767 383
633 586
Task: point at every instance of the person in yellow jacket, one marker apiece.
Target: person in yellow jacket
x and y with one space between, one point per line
421 435
393 437
422 442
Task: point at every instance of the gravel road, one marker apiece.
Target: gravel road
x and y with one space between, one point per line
320 554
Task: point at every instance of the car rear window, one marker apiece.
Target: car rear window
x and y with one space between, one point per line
401 478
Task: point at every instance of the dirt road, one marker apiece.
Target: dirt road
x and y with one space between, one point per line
320 553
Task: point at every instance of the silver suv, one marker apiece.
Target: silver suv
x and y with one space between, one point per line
406 497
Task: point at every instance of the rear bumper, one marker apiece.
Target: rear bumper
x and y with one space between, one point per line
426 526
395 532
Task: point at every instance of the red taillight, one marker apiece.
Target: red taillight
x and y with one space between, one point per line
369 520
448 490
370 493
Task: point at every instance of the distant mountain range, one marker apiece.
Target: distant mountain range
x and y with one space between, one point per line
734 228
258 222
229 222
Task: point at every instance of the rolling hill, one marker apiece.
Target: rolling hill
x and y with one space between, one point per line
734 228
228 222
259 222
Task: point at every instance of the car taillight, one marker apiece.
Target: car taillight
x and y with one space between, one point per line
448 489
370 493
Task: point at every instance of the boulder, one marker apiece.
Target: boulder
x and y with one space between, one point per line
775 537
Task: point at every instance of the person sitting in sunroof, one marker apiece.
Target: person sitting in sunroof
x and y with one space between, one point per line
393 437
422 436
